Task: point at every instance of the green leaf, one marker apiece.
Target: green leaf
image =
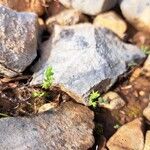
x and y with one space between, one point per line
93 98
116 126
102 100
48 78
38 94
145 49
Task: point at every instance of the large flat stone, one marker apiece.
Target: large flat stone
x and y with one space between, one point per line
18 40
84 58
70 127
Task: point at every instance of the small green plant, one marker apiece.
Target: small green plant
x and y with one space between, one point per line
146 49
132 64
47 83
48 78
93 98
39 94
116 126
102 100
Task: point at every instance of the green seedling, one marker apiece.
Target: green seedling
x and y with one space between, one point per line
93 98
117 126
48 78
102 100
39 94
132 64
47 83
145 49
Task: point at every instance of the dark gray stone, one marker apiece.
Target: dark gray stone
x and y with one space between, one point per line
84 58
18 40
69 127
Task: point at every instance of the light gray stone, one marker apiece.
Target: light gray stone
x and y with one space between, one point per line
90 7
84 58
70 127
137 13
18 40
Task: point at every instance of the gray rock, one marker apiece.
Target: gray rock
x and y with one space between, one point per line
84 58
90 7
137 13
67 128
18 40
128 137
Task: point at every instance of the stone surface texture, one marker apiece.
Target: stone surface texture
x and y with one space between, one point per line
18 40
69 127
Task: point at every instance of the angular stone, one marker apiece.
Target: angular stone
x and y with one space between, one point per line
66 17
68 127
113 101
137 13
90 7
147 141
18 40
112 21
84 58
128 137
36 6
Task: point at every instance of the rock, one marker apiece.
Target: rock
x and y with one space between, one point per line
18 40
146 112
84 58
137 13
90 7
146 67
68 127
112 21
141 38
36 6
147 141
113 101
54 8
66 17
128 137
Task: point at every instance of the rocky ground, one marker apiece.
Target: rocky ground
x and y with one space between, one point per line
74 75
